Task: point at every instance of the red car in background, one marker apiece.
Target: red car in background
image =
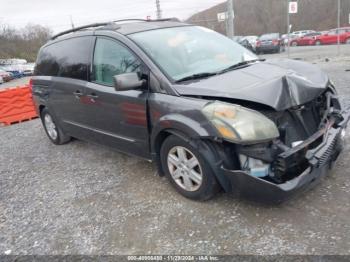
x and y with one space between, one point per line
308 39
332 37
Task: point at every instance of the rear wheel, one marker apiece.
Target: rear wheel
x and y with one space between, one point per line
52 129
294 43
318 42
188 169
347 41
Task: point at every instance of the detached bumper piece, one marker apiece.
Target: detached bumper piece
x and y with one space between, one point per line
315 162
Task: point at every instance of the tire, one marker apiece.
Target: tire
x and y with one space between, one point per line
203 184
347 41
52 129
294 43
318 42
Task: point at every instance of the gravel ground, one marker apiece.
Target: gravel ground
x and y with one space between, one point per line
82 198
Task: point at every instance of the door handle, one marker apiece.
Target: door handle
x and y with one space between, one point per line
93 96
77 94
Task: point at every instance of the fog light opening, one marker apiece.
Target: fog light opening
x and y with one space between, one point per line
254 167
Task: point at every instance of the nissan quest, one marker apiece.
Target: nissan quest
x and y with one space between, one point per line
209 113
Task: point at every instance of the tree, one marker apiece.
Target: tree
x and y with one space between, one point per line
22 43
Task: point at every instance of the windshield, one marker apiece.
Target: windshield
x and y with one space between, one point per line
184 51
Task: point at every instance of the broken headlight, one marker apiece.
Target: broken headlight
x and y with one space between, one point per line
239 124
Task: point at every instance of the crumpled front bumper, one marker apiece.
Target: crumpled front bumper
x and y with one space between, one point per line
320 161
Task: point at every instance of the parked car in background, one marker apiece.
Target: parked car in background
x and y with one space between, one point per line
245 43
28 69
308 39
285 39
297 34
252 39
15 70
270 43
6 76
331 37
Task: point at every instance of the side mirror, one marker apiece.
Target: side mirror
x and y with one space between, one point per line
127 81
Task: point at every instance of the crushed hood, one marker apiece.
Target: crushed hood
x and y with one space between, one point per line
278 83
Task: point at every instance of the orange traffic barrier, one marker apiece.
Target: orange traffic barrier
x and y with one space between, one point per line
16 105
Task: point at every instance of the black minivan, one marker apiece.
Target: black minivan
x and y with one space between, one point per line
207 111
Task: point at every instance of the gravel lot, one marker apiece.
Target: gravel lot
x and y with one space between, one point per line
82 198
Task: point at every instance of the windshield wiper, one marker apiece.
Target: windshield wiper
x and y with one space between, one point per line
195 76
239 65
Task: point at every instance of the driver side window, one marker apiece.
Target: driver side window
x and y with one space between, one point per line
110 59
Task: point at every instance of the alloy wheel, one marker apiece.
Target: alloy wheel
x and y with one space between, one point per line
184 168
50 127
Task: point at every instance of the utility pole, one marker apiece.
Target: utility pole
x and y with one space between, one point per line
159 11
338 26
230 24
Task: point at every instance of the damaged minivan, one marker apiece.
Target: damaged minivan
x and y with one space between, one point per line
208 112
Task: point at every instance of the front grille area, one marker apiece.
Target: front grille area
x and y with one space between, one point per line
299 123
327 154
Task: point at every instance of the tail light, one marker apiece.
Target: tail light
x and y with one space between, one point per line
258 43
275 42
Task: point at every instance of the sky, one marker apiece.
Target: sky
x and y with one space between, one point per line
56 13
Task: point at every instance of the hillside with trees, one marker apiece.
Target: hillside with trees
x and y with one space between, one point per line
22 43
256 17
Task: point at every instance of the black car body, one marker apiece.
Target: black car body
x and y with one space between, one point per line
270 43
264 129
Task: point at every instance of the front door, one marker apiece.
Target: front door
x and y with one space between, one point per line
117 119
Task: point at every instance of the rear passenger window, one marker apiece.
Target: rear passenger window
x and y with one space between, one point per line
110 59
68 58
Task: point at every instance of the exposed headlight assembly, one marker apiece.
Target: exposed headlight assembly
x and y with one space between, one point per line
239 124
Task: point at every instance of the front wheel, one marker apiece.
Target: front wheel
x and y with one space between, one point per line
347 41
318 42
188 169
52 129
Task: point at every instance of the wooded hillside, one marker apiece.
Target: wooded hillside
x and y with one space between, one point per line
22 43
255 17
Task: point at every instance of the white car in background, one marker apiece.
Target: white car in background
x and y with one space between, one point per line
28 69
252 39
301 33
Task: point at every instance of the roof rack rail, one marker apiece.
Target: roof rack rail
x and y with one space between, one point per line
130 20
78 29
107 23
147 20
